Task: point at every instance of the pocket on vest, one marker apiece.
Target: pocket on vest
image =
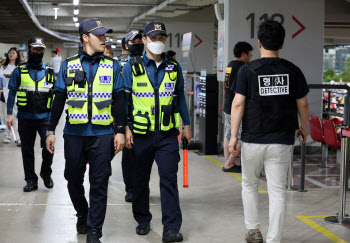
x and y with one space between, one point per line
141 123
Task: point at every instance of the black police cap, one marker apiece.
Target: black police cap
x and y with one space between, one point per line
132 35
154 28
36 42
94 26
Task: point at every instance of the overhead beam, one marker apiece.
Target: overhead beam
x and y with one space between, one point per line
98 4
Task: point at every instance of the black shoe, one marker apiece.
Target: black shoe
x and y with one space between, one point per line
31 186
128 197
93 236
235 168
48 182
143 228
172 236
82 222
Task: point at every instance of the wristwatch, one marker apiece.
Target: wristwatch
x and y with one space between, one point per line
48 133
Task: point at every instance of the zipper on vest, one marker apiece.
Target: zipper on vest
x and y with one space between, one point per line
156 96
90 100
36 94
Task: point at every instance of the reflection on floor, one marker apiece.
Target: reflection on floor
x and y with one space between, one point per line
211 206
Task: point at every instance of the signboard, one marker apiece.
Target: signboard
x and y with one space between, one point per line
70 45
186 51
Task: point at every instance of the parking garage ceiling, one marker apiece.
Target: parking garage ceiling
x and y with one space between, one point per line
22 19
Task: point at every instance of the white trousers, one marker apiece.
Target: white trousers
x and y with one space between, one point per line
275 158
3 117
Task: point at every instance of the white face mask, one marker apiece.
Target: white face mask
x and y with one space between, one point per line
156 47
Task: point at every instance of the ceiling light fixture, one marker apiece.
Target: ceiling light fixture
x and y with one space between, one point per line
76 10
77 25
75 19
76 2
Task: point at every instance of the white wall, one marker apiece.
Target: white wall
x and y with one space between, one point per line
305 50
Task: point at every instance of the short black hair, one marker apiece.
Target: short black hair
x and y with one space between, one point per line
81 37
271 35
123 44
242 47
170 54
54 52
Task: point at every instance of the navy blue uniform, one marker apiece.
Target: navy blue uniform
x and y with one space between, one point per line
29 124
162 147
89 143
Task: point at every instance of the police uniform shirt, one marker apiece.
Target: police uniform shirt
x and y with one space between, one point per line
240 86
14 83
156 76
231 71
90 69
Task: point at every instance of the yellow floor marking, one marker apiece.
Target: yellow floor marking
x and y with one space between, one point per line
236 175
319 228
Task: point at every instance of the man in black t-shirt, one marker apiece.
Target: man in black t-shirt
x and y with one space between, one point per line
270 92
243 53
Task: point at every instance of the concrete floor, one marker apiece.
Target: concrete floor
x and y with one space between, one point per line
211 206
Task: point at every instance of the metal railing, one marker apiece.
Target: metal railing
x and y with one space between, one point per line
341 217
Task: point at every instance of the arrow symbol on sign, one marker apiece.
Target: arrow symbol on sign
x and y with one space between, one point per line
200 41
300 24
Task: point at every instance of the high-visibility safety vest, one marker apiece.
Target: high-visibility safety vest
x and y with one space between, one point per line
35 96
89 101
154 109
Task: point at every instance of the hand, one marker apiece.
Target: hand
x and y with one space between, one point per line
303 131
50 143
232 145
129 137
119 141
9 121
186 133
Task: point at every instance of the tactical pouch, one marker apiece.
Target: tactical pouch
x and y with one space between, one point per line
166 114
69 83
142 123
137 66
79 81
50 99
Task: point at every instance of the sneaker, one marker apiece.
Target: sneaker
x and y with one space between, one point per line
235 168
93 236
2 127
254 237
82 222
7 140
18 143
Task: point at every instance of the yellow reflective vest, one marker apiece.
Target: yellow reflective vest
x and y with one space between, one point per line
35 96
89 101
154 109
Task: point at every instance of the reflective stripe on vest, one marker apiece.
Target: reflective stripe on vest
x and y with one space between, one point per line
101 94
144 101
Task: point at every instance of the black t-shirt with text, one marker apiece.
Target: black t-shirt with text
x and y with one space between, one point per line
231 71
240 86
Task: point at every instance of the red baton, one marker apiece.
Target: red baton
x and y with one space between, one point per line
185 158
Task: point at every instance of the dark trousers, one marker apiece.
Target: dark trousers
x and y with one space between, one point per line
128 168
27 129
164 148
98 151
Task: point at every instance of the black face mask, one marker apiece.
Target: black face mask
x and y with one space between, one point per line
136 49
35 59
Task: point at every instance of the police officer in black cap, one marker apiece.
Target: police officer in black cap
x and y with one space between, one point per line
123 58
135 46
109 50
95 91
158 100
32 82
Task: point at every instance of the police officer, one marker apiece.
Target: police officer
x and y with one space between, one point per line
95 91
157 88
269 94
108 50
32 82
135 46
243 53
123 58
